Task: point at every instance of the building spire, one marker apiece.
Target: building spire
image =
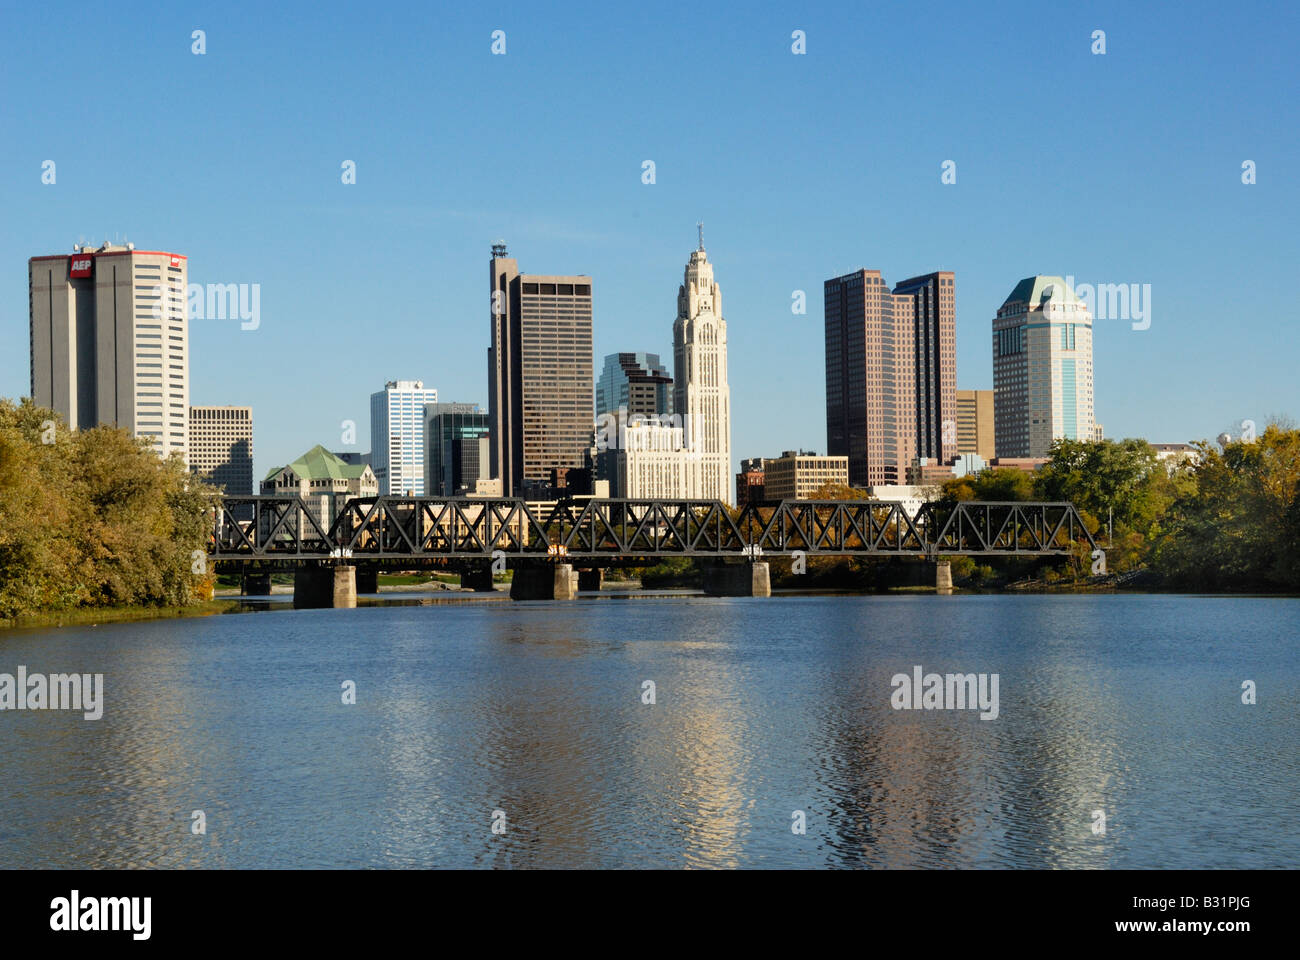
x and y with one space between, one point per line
700 227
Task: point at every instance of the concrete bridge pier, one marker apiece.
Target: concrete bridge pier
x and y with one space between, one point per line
591 579
255 585
544 581
477 577
367 580
738 580
942 577
324 587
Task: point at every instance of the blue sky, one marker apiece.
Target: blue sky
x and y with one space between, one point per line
1122 168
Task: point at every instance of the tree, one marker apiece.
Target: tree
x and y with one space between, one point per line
38 553
1002 483
1105 479
1104 475
839 491
1238 525
93 517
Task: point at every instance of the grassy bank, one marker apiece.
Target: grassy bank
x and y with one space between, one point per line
96 615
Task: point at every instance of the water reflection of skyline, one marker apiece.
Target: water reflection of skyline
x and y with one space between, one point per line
763 708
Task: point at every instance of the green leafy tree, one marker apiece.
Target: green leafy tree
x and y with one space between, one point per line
1002 483
1238 524
93 517
39 559
1121 489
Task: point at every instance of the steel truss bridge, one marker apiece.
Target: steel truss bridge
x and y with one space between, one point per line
590 532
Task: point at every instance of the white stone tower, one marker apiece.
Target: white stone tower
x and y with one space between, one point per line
701 394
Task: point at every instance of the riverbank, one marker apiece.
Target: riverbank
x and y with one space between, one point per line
93 616
414 586
228 601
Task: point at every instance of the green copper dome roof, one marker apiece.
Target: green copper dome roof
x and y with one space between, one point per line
1035 290
319 464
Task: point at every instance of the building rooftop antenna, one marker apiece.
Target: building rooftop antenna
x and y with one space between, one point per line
699 225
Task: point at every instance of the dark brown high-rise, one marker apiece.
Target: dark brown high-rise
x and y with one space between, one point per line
891 373
870 402
540 403
935 361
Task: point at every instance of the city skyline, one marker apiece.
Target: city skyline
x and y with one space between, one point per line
930 295
418 213
962 537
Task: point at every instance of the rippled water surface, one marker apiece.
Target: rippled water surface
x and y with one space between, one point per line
1126 704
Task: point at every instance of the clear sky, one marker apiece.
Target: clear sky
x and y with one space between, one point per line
1117 168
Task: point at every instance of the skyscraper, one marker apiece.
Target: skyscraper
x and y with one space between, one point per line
975 423
110 341
540 400
221 447
870 377
702 396
934 355
1042 368
397 436
456 437
635 382
635 390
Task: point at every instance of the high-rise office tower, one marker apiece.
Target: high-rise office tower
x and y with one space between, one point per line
635 382
221 447
934 354
540 400
110 341
1042 368
975 423
397 436
870 377
635 389
702 396
456 436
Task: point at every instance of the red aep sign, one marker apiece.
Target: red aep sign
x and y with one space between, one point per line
80 266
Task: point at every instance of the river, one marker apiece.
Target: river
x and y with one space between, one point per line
533 717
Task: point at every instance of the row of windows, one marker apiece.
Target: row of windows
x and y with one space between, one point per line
558 289
1010 340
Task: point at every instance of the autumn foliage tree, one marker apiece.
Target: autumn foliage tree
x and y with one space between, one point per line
93 518
1237 525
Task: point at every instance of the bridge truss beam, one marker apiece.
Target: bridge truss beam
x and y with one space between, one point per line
604 532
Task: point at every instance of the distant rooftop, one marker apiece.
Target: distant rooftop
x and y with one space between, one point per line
1036 290
319 464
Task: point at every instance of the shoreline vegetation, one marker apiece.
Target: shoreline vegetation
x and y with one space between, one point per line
96 616
95 528
93 520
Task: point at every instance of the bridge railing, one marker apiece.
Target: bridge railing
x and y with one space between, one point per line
394 527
